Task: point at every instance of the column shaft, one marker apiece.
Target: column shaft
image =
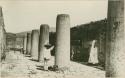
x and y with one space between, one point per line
2 37
62 48
34 44
24 44
115 51
44 38
28 46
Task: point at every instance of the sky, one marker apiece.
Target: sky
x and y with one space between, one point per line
26 15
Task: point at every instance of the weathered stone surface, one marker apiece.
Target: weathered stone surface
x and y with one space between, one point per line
34 44
28 46
43 39
62 48
115 55
24 44
2 37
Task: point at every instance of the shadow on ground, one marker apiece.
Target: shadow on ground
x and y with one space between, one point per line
34 60
98 66
39 67
27 56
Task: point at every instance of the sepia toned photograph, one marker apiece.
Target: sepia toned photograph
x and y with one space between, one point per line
62 39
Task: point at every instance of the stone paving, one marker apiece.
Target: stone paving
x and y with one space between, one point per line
19 66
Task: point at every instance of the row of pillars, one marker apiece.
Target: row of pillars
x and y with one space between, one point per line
115 41
34 42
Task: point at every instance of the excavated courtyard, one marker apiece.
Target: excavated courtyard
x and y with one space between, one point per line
18 65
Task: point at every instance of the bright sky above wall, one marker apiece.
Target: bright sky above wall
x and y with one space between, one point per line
27 15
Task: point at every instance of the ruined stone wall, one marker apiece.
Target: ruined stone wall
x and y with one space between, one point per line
10 40
81 39
102 46
82 36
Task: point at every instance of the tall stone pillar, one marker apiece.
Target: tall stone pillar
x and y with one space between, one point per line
1 41
24 44
62 49
28 46
115 51
43 39
2 35
34 44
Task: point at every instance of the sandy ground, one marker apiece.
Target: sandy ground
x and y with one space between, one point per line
19 66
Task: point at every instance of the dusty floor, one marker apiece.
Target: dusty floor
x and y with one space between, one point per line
19 66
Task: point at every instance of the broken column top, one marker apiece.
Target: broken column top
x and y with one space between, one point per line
44 25
35 30
29 34
63 15
63 20
1 12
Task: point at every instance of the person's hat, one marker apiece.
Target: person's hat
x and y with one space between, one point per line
47 45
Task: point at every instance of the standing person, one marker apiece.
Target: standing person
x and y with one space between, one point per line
47 55
93 58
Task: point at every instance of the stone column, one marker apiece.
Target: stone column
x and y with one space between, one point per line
115 51
2 36
34 44
28 46
62 49
1 33
44 38
1 41
24 44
